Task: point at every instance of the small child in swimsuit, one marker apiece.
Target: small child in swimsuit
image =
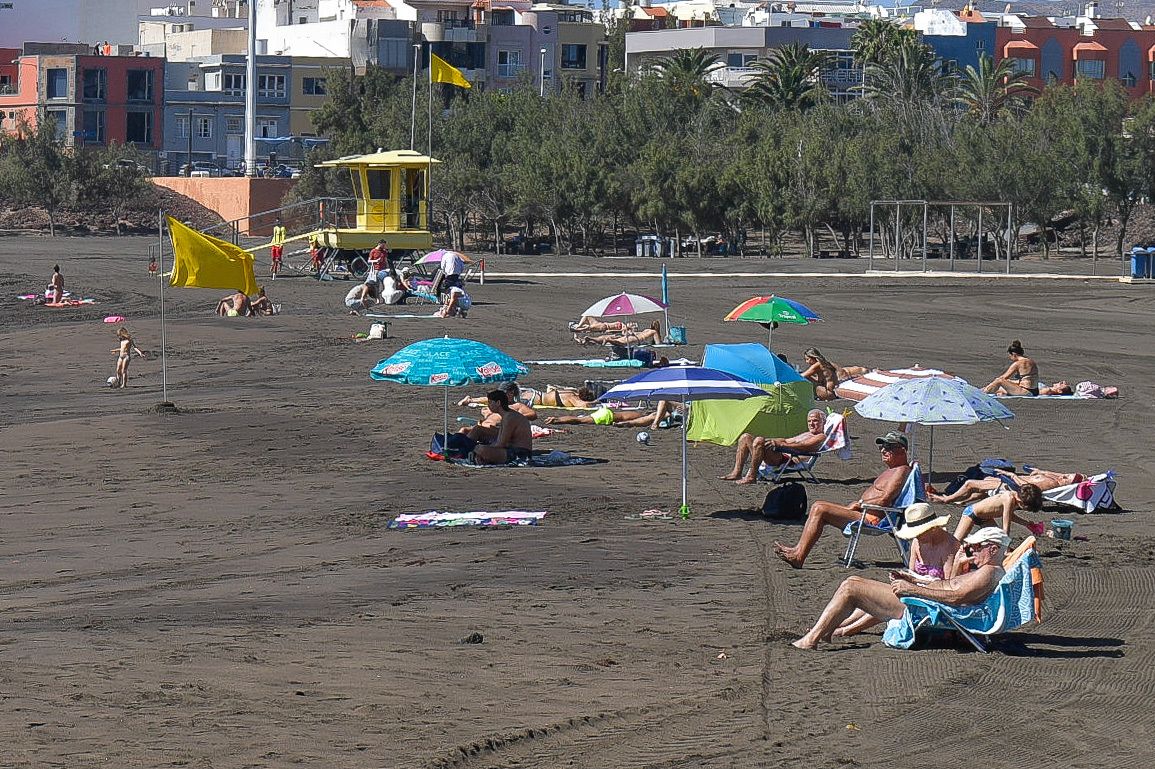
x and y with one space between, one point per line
986 512
124 354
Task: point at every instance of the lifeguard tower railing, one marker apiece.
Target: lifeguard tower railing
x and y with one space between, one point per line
298 219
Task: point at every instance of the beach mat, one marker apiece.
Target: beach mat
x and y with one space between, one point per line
435 520
552 459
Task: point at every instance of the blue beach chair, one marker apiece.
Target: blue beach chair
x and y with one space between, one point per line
914 490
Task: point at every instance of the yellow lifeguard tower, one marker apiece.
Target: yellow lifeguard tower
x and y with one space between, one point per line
392 192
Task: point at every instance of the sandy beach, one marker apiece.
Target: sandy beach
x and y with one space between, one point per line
218 589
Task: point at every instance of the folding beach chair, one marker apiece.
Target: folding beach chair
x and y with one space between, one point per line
1016 601
914 490
802 463
1087 496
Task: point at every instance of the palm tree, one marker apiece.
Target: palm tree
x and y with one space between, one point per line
911 73
876 39
686 72
990 90
789 79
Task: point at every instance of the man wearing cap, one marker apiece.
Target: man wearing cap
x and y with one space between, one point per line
978 569
883 492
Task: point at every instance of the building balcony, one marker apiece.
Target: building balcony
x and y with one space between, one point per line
732 77
510 70
454 32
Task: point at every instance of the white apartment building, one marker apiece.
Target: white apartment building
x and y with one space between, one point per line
71 21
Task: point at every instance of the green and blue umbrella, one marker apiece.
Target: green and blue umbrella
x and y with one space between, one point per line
769 310
447 362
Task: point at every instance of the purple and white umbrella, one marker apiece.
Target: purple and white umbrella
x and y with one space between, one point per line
623 304
683 383
434 257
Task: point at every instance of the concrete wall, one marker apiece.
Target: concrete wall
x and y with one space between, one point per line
78 21
233 197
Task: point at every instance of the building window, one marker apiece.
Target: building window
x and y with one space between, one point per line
980 45
94 126
313 86
138 127
234 84
573 56
1129 80
1091 69
140 85
736 59
1023 67
501 18
59 119
182 126
271 86
267 127
5 84
204 128
95 86
234 125
57 83
508 63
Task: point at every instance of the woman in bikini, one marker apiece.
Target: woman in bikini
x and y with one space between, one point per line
652 335
824 375
261 305
557 397
124 354
1020 378
589 324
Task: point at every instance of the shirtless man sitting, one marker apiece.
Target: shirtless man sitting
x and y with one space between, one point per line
776 451
884 491
489 427
514 441
978 569
235 305
981 488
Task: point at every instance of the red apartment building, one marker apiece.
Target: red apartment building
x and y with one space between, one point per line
91 99
1101 50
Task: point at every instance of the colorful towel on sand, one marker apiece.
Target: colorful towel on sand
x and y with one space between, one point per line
435 520
403 315
70 303
552 459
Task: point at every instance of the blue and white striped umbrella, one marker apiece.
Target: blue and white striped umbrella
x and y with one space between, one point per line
685 384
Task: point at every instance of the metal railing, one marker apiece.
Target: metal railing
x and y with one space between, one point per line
297 218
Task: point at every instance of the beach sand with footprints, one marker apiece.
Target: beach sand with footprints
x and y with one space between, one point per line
218 588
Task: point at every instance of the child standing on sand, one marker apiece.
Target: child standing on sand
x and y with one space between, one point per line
124 354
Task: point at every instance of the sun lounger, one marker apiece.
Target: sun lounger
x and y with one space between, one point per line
1016 601
802 463
914 490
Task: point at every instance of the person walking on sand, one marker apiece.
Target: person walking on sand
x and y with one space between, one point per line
124 354
56 285
277 251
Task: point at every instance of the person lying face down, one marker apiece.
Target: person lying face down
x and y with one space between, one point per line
977 568
884 491
775 451
665 415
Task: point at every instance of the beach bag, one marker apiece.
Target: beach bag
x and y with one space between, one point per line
459 445
377 331
786 502
677 335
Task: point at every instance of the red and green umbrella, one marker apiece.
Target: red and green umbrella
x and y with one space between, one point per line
771 311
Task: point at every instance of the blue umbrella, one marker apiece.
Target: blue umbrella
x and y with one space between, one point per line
446 362
933 401
683 383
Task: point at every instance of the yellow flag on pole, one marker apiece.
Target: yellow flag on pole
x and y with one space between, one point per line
202 261
441 71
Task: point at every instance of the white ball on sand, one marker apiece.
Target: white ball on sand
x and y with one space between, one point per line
644 438
112 381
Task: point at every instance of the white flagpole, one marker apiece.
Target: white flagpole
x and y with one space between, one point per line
163 338
429 154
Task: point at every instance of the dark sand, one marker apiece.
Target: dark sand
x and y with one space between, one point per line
218 588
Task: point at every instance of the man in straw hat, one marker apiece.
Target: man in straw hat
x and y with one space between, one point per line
883 492
977 573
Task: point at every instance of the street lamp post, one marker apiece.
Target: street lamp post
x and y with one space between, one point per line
542 83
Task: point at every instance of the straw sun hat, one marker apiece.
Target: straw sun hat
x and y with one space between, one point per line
919 518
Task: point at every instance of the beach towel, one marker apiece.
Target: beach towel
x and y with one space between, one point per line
1089 495
403 315
435 520
552 459
69 303
1010 606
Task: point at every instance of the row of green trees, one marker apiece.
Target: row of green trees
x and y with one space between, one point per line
670 151
38 170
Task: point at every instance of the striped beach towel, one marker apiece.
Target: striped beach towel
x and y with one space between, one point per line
858 388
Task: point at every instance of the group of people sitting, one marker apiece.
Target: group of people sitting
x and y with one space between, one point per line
239 304
385 284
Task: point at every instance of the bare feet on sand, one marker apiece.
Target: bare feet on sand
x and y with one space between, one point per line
787 554
748 480
730 476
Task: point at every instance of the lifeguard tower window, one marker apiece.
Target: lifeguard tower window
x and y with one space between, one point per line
355 180
378 184
414 194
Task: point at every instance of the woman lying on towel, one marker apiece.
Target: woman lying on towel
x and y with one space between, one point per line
592 325
663 416
824 375
980 488
557 397
652 335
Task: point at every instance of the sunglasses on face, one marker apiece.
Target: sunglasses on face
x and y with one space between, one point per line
971 550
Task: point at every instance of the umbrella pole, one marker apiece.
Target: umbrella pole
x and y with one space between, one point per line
445 415
685 509
930 460
770 336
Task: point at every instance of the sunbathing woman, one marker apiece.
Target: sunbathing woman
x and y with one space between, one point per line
261 305
590 324
124 354
980 488
1020 378
824 375
652 335
557 397
663 416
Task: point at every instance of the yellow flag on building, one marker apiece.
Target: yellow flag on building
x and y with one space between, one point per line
441 71
202 261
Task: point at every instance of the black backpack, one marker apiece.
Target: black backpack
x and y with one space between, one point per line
786 502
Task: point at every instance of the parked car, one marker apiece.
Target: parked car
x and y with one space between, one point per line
200 168
129 165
